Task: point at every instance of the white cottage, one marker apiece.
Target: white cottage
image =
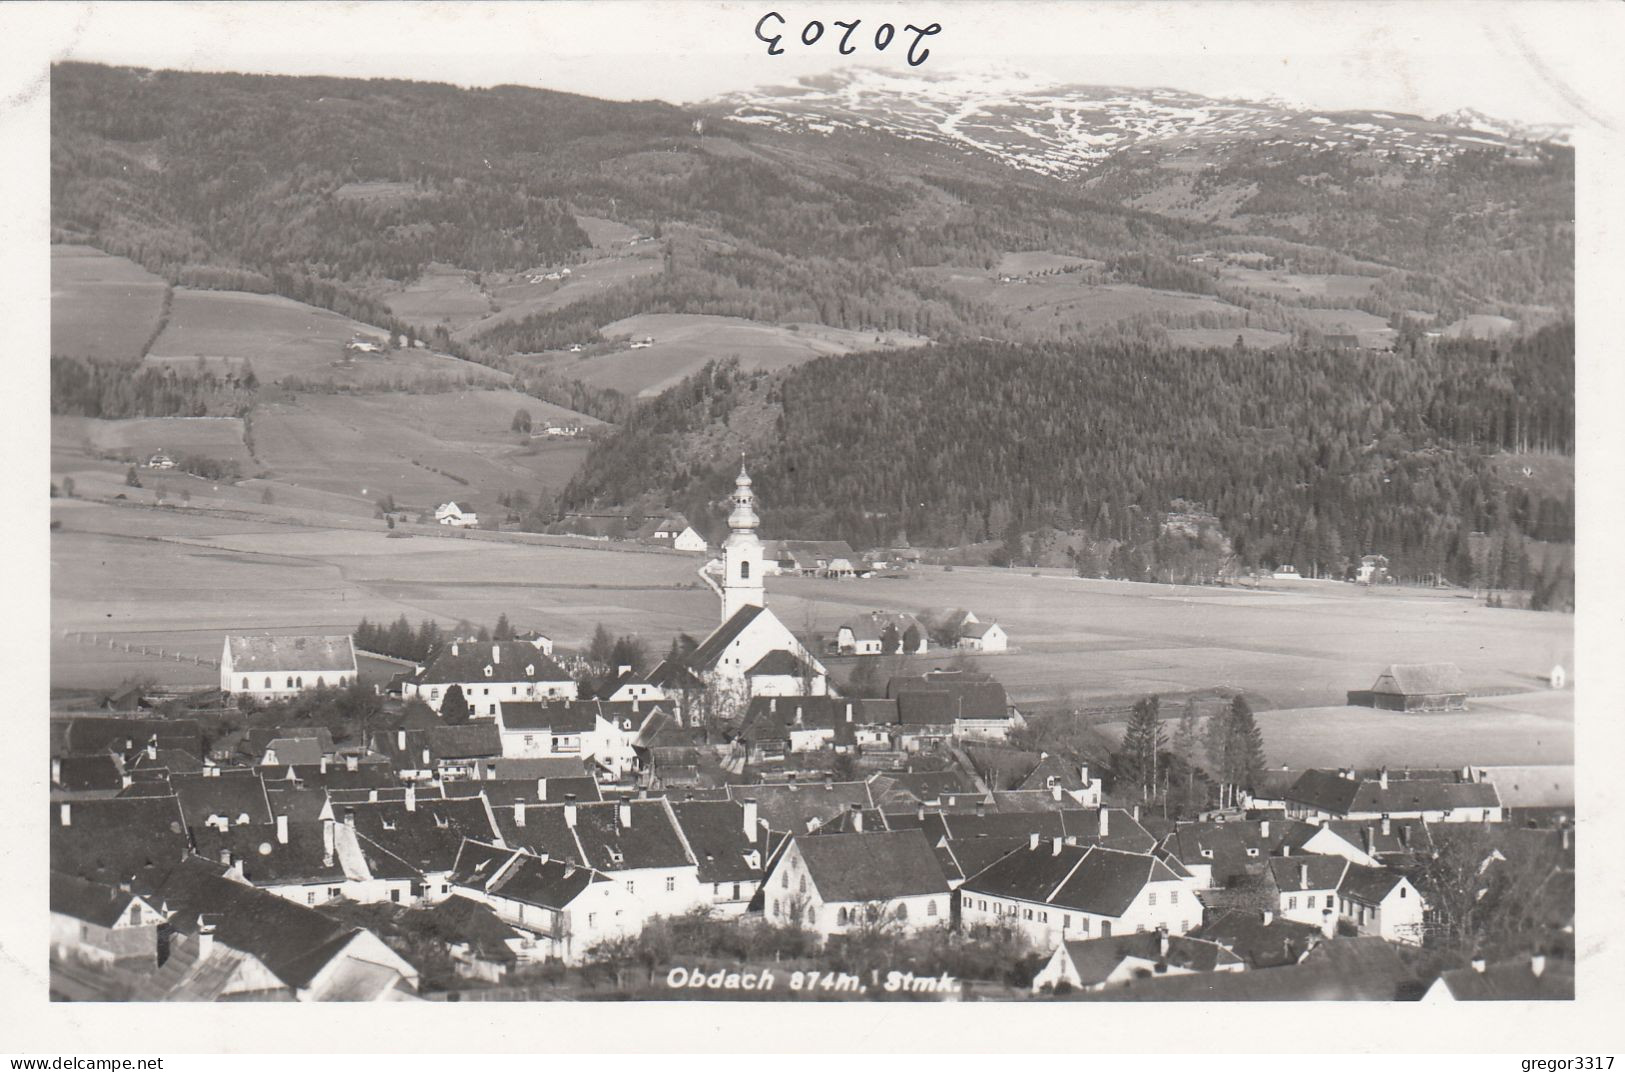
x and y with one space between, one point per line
268 668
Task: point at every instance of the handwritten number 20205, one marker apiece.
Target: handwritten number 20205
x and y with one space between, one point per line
813 32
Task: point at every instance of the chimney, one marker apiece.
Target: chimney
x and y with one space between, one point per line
1264 829
981 808
1162 942
519 812
400 740
622 670
327 842
282 829
352 762
66 814
570 810
152 748
1136 813
1286 848
1405 835
750 820
324 765
1568 838
1055 791
1303 876
56 771
1387 825
349 818
829 779
1269 917
1105 822
773 705
857 817
372 796
1328 923
920 813
1055 846
1371 841
541 790
1032 841
206 925
411 798
225 858
951 799
1083 775
1537 964
643 792
1478 964
454 647
623 814
849 710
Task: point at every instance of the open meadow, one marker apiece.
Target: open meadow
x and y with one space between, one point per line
684 342
102 307
180 580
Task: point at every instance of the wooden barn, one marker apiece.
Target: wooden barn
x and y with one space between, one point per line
1415 687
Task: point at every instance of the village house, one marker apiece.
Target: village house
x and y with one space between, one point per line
1381 903
409 846
728 841
808 558
881 633
837 883
1373 569
1534 978
946 704
1219 854
1307 888
1053 892
455 516
1346 795
774 726
984 637
1098 963
560 908
1264 939
488 672
594 730
480 944
160 460
1415 687
674 532
102 924
267 668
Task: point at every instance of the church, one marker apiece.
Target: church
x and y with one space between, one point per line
752 653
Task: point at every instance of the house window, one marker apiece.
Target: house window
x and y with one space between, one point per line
290 681
775 907
736 891
268 684
1151 900
1139 928
1173 896
1184 925
299 682
842 917
671 883
321 682
1027 914
786 880
628 885
744 571
1043 917
1328 900
902 911
1402 891
1083 924
135 915
434 694
801 886
395 895
1291 903
931 908
592 917
333 892
493 709
245 683
812 915
310 896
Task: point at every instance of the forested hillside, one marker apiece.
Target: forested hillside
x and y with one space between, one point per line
1312 457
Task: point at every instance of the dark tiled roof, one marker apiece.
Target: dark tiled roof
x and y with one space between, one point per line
514 661
1093 879
1262 945
83 773
293 941
265 861
92 902
259 738
425 838
872 866
711 648
788 807
1513 981
1344 969
1329 792
778 663
599 839
1307 872
530 715
475 740
673 677
463 919
546 883
715 830
230 793
1368 884
84 736
119 839
541 767
504 791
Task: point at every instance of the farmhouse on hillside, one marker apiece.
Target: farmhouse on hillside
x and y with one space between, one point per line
983 636
673 532
880 633
277 667
808 558
1415 687
455 516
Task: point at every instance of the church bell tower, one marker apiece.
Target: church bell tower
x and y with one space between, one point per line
742 552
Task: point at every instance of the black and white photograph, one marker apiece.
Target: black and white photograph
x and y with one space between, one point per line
839 503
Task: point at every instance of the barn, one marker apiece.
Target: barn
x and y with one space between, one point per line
1415 687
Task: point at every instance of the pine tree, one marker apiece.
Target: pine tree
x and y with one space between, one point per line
503 630
602 648
454 707
1244 746
1143 741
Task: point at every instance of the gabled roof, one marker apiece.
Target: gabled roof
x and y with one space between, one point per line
509 790
943 696
509 660
876 866
774 717
1261 945
1091 879
1095 959
978 629
267 862
463 919
425 837
92 902
293 941
1327 791
120 839
259 738
1420 679
231 793
540 767
549 884
1308 871
715 831
85 773
788 807
1369 885
778 663
673 677
705 656
473 740
1342 969
275 654
92 734
599 839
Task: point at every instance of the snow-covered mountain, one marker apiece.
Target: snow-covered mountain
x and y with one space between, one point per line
1065 130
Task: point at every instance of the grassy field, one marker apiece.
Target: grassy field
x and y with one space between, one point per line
102 307
283 338
180 580
1062 301
138 438
1300 284
517 297
422 449
1040 261
606 234
442 295
1342 320
1201 338
685 342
